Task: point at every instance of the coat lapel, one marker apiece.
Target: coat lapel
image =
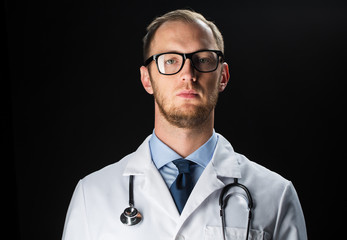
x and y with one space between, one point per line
221 170
140 164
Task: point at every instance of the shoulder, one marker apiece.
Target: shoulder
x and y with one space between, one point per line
114 173
253 173
261 177
250 167
109 174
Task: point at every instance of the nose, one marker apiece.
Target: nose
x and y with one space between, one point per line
188 71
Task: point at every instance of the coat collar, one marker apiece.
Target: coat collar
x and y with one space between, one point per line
140 160
224 161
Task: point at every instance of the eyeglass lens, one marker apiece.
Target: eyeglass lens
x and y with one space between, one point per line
171 63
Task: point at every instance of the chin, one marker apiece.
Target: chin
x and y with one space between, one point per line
188 116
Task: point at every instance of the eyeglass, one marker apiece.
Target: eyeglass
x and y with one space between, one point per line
170 63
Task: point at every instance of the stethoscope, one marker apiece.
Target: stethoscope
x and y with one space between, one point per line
224 200
131 216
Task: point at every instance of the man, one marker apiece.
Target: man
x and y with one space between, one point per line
176 177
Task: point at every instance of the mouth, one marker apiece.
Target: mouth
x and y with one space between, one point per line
188 94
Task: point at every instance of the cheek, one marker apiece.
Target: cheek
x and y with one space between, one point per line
161 87
212 84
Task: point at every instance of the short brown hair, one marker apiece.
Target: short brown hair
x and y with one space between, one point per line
184 15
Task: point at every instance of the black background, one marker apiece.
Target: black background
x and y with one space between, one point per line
72 101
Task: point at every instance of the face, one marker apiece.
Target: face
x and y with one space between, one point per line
188 98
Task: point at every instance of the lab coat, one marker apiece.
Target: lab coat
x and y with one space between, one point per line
101 197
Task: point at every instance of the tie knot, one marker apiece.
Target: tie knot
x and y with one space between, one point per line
182 165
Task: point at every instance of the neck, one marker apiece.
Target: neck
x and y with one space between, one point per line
183 141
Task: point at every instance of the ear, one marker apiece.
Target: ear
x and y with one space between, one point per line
224 77
145 79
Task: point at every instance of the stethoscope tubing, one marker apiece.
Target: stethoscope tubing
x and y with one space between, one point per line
131 216
224 200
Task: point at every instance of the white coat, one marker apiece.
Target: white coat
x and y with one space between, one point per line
101 197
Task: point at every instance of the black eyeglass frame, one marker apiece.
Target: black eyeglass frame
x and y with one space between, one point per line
185 56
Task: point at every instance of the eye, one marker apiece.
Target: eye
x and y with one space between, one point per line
170 61
204 60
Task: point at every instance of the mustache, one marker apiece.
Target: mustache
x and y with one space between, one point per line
190 87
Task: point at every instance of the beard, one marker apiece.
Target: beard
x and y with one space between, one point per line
186 117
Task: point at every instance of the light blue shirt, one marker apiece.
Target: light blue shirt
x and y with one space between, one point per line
163 155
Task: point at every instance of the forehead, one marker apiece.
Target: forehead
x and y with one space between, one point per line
182 37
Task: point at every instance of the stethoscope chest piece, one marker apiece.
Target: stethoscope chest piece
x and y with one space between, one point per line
130 216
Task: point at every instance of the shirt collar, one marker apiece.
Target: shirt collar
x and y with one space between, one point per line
163 154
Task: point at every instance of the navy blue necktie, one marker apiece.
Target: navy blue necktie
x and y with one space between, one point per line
183 185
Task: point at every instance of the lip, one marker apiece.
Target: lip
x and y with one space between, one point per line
188 94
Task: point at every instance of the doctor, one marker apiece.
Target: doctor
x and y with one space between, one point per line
179 172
